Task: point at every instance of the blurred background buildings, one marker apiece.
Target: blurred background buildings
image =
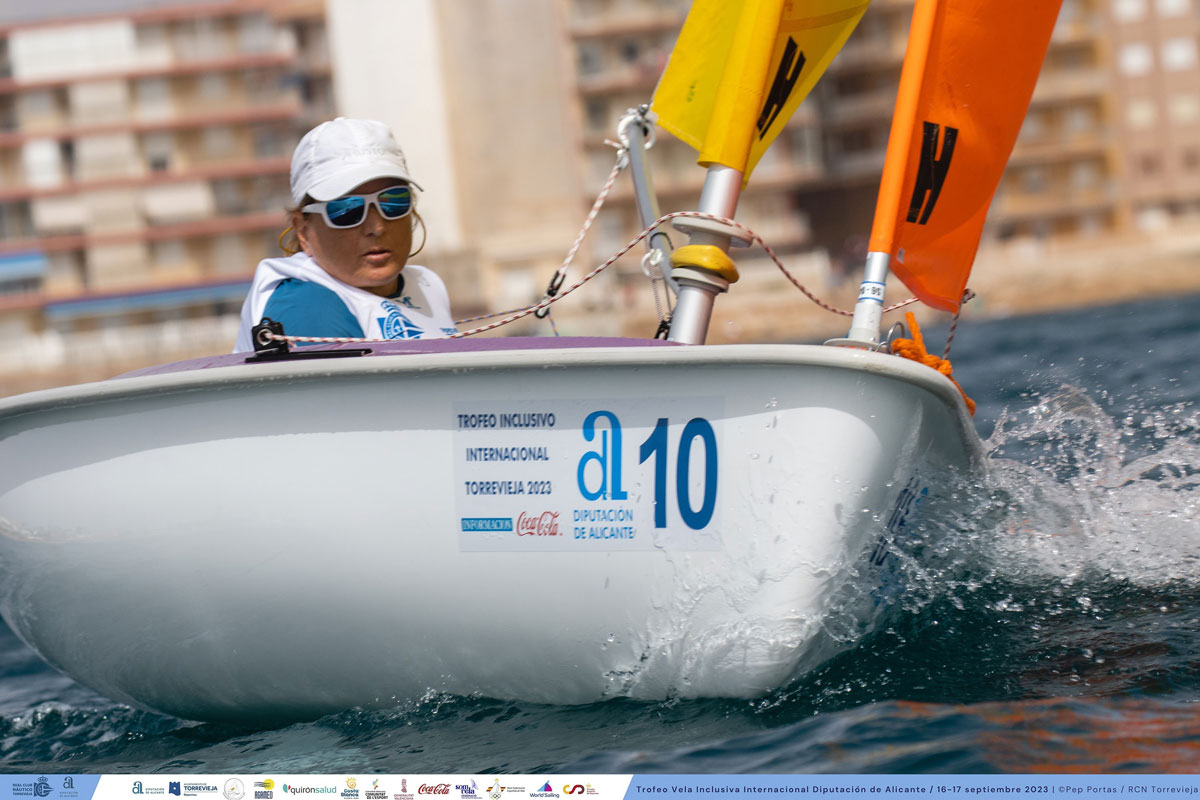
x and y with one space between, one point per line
144 152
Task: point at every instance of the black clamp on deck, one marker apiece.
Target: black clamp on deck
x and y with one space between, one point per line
269 348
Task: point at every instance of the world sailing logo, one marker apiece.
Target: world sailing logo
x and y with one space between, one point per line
931 172
395 325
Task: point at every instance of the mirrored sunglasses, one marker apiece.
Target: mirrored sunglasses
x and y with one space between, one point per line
350 211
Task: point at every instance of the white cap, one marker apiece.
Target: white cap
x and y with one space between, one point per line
338 155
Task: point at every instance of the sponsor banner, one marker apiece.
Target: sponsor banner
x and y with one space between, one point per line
324 787
49 786
608 787
947 786
598 474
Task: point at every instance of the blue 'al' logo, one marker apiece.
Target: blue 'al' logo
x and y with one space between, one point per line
395 325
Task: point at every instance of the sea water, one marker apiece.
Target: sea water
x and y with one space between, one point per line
1045 617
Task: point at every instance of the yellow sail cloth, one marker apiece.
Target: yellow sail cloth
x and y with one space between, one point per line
967 80
740 68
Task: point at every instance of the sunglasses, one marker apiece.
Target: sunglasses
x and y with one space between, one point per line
351 210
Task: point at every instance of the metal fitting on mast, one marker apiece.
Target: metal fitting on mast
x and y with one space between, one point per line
868 311
703 269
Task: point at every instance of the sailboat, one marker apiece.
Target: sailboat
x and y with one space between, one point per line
556 520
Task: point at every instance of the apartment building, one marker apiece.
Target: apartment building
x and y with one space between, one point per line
143 173
143 156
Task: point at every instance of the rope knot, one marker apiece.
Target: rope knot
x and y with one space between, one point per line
914 350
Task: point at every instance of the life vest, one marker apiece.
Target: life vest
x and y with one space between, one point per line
421 311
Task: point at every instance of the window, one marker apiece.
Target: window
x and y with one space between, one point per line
1080 119
170 252
1136 58
218 141
597 114
1085 175
591 59
1173 8
42 162
1185 108
1129 10
1141 112
1033 180
256 34
1179 53
214 87
159 148
152 97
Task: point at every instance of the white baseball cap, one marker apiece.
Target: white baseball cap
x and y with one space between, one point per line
338 155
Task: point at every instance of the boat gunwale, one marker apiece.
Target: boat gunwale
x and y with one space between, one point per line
490 360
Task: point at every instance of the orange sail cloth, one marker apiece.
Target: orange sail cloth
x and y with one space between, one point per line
967 80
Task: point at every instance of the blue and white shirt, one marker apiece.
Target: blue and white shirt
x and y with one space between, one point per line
308 301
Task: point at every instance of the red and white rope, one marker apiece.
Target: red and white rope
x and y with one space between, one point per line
548 301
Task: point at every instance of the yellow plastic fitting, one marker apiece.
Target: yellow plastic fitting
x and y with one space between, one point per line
705 256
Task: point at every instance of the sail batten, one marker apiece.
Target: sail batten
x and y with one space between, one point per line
968 76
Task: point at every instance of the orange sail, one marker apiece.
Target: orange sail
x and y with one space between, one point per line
967 79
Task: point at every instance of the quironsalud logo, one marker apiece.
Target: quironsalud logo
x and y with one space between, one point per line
395 325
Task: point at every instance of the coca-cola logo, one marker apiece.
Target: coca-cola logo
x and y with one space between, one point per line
437 788
544 524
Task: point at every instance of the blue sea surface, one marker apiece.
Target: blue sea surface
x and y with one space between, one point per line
1048 619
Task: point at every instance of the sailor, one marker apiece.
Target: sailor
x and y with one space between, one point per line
346 273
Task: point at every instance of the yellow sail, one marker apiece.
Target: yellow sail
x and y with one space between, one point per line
740 68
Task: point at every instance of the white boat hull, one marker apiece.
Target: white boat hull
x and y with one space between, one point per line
294 539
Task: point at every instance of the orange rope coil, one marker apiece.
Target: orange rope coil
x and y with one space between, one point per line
914 350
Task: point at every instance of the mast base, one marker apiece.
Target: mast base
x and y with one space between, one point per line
860 344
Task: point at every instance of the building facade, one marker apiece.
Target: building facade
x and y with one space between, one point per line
144 157
143 173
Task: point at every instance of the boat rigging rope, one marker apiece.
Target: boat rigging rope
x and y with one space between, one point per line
550 300
914 349
556 280
650 267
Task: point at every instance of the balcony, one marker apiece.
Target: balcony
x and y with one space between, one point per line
1056 87
247 169
225 64
233 116
856 110
641 76
1047 149
1060 201
258 221
602 27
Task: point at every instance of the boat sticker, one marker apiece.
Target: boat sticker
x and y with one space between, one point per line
568 475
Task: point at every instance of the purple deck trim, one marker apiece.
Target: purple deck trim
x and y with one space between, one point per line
417 347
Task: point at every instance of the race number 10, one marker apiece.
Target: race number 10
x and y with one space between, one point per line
655 449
